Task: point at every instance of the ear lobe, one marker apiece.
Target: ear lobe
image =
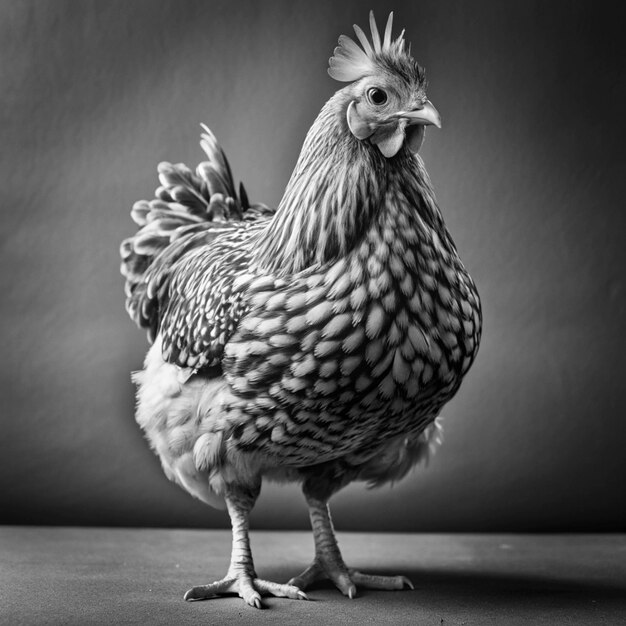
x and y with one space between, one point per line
357 125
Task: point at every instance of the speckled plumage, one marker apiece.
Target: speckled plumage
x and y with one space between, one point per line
317 343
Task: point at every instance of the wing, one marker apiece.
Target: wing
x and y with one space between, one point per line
201 299
191 212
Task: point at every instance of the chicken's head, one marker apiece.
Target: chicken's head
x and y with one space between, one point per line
386 102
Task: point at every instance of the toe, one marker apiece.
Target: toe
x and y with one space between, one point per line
280 591
249 594
202 592
308 576
371 581
344 583
252 597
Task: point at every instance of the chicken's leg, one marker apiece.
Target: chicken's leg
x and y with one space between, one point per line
241 577
328 562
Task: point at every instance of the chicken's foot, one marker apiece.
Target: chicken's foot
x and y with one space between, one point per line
241 578
328 562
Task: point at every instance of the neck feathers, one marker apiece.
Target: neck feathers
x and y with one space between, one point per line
337 189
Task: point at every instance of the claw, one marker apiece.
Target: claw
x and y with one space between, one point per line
408 583
352 592
302 595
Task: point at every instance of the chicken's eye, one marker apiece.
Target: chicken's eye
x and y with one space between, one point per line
377 96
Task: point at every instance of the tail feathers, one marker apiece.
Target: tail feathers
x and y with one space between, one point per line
190 209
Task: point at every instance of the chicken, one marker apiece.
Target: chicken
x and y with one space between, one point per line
317 343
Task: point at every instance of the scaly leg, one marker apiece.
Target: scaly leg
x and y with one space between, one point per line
328 562
241 577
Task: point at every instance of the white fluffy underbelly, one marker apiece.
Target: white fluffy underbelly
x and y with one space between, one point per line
180 418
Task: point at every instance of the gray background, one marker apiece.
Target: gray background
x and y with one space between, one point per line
529 170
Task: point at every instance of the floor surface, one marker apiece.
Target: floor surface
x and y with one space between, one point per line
119 576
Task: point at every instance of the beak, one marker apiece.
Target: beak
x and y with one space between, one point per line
426 115
391 134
